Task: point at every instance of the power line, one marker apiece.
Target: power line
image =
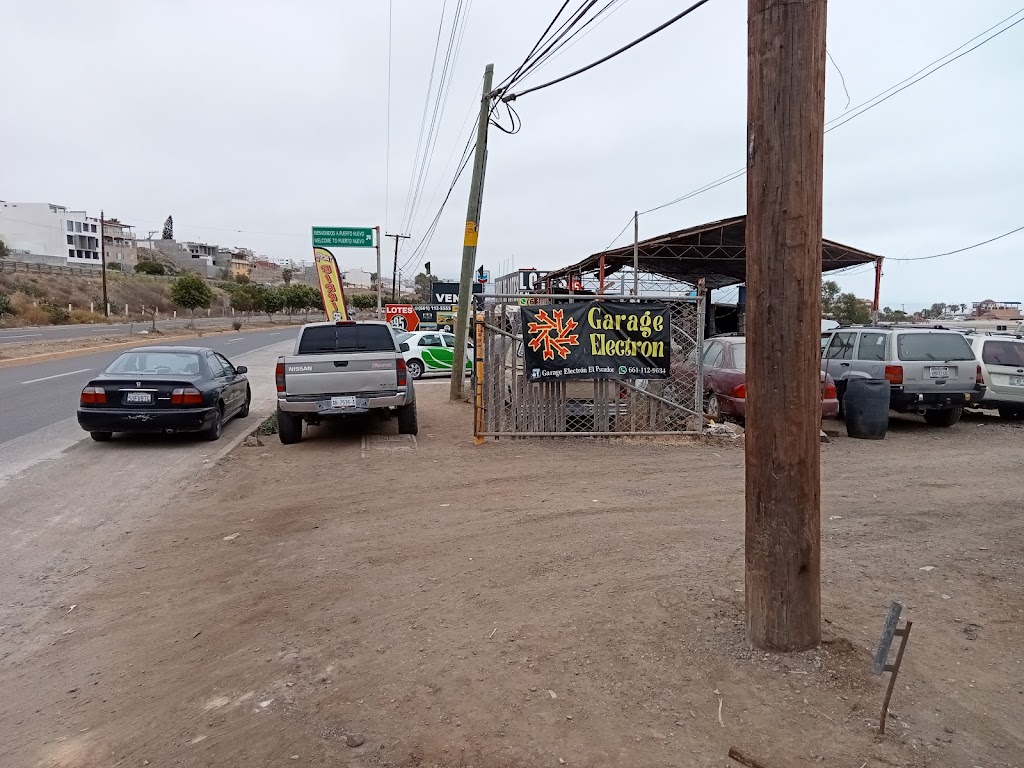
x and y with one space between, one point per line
557 38
387 143
863 107
508 81
960 250
623 49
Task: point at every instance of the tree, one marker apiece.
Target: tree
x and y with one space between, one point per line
191 292
115 266
5 305
270 300
363 300
287 274
424 284
4 250
168 233
241 278
245 298
294 298
849 310
829 293
312 299
150 268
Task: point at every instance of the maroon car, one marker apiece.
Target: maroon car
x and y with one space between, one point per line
725 381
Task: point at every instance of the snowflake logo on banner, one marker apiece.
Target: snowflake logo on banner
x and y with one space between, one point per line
554 333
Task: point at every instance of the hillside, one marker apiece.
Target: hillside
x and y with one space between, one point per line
38 299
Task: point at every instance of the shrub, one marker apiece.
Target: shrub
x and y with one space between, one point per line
363 300
57 315
115 266
5 305
83 316
236 324
191 292
150 268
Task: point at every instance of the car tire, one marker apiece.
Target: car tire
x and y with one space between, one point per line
101 437
1009 413
407 421
944 417
244 411
217 428
289 427
841 397
712 408
415 368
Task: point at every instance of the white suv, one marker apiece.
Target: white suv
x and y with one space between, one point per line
1002 365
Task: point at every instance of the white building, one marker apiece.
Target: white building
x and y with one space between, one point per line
45 229
358 278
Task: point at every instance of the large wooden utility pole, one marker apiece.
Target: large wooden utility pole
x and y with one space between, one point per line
785 139
469 240
394 269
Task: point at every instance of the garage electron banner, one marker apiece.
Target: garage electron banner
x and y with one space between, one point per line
596 340
330 284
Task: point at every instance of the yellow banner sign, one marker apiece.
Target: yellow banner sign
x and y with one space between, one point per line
471 234
330 284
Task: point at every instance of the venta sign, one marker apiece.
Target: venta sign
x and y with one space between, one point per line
595 340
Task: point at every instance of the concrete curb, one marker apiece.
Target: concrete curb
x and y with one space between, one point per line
48 356
238 440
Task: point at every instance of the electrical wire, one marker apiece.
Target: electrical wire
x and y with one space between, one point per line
863 107
387 141
623 49
582 32
558 38
508 81
960 250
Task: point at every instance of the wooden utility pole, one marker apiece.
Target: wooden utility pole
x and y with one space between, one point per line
469 240
103 266
785 140
394 270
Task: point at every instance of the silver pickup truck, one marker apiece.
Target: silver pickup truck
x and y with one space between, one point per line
340 369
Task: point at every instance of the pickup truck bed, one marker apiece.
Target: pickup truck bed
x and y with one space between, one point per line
343 369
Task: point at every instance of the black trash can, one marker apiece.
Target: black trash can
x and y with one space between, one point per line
866 404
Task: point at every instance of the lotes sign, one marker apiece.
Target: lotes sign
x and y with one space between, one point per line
596 339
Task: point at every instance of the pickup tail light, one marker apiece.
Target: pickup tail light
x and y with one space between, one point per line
94 396
830 391
401 370
979 377
279 376
740 391
186 396
894 374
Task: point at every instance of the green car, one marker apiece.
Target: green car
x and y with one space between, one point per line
431 352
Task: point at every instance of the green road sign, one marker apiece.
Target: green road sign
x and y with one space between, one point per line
343 237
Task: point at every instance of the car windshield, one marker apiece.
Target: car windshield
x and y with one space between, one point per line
328 339
142 363
739 357
933 346
1003 353
403 337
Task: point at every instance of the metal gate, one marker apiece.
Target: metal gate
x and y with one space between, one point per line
509 404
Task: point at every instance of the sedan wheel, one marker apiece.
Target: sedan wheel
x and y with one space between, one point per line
712 408
415 368
217 428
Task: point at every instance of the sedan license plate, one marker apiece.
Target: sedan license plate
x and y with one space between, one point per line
343 402
139 397
1017 381
937 372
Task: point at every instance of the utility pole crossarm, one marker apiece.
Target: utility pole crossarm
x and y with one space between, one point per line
394 270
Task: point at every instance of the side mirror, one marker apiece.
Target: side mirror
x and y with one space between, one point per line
404 346
241 369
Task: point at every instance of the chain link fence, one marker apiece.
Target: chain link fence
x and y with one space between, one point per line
509 404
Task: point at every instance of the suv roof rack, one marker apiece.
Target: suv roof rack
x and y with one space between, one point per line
889 326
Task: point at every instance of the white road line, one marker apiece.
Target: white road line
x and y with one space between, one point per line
56 376
232 341
275 333
19 335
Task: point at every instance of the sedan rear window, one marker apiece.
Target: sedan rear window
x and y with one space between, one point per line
329 339
739 356
142 363
1003 353
933 346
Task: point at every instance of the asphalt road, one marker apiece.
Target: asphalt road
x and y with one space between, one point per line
51 332
38 395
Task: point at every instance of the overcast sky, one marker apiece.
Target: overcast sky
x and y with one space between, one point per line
251 120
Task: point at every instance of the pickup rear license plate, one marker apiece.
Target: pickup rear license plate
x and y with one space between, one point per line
939 372
343 402
139 397
1017 381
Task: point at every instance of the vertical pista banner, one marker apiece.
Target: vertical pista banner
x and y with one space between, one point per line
330 284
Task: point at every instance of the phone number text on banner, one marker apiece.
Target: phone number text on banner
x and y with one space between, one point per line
597 339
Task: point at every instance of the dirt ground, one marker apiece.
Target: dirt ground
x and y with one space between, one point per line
530 603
